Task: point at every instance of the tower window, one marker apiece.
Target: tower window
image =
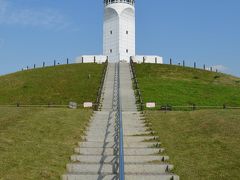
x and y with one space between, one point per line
126 50
126 32
111 32
110 50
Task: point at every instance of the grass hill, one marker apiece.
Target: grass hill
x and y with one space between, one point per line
54 85
202 144
36 143
181 86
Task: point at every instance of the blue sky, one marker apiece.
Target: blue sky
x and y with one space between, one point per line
205 31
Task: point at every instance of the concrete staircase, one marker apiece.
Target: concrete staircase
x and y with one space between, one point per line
97 157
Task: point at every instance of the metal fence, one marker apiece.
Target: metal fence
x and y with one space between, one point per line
169 107
44 64
186 107
43 105
50 105
184 64
204 67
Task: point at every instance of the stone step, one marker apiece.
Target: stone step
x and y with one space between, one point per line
112 133
102 123
92 168
147 168
106 117
90 144
111 151
111 159
126 139
152 177
133 112
127 132
100 138
132 122
140 138
101 135
89 177
102 117
100 114
141 144
103 127
99 118
127 177
100 128
113 168
129 139
135 126
136 133
128 118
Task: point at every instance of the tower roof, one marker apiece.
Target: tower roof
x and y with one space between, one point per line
107 2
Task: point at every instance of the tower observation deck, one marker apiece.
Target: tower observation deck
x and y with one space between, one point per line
131 2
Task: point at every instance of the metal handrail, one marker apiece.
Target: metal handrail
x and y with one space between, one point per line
101 86
121 145
135 81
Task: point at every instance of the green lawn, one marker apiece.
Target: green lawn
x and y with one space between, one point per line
36 143
203 145
180 86
54 85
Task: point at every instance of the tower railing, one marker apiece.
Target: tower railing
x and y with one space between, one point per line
131 2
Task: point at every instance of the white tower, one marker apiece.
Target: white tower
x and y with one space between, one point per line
119 30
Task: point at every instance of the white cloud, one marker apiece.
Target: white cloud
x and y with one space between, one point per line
45 17
220 68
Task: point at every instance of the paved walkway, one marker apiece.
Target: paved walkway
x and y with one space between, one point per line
97 158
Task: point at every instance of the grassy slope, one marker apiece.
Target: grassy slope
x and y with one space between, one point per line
36 143
201 144
176 85
55 85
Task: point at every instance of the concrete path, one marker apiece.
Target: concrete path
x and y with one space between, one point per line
97 157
